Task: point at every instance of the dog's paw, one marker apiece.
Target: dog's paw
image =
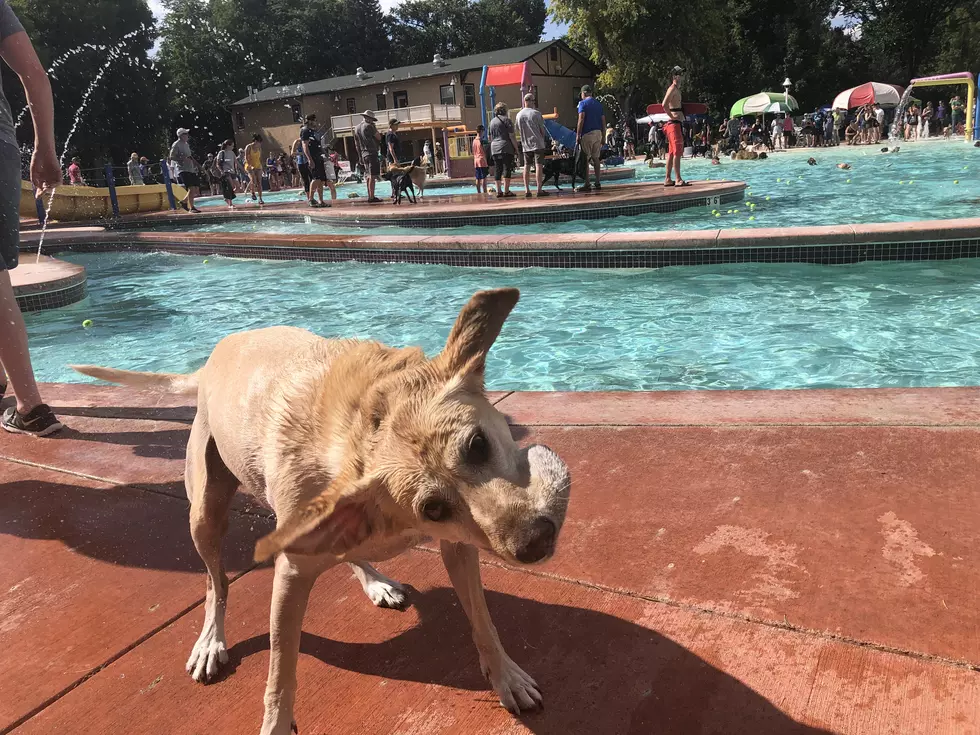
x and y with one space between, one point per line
517 690
385 594
207 657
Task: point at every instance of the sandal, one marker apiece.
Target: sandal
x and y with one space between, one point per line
683 183
669 183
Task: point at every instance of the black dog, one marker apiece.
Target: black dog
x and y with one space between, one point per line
401 185
555 168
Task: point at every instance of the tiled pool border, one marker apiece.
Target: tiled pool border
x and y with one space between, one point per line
923 240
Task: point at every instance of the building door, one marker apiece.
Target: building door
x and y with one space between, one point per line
400 99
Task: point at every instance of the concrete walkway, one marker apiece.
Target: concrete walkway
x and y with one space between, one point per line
752 562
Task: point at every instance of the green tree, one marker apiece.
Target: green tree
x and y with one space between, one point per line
637 42
122 111
901 36
207 69
454 28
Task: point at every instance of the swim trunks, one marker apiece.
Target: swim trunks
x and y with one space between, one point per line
675 138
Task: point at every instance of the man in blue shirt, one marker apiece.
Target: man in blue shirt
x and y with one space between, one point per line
588 135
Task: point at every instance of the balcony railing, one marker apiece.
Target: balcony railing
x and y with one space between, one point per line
416 116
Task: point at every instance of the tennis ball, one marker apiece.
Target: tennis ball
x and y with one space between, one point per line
848 181
735 211
205 260
767 199
87 323
717 214
729 211
751 217
778 180
957 181
910 182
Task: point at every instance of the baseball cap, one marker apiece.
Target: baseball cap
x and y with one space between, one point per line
183 131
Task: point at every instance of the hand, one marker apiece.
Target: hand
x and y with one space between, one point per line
45 170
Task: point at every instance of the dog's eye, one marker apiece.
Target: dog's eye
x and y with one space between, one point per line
437 510
478 449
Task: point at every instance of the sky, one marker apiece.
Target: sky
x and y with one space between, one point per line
551 30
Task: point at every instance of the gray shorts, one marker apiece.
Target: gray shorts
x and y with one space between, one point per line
9 205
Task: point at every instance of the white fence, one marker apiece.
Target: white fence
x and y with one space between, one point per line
408 116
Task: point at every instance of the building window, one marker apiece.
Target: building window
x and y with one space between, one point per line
554 53
297 111
469 95
381 102
240 120
351 105
447 94
400 99
577 94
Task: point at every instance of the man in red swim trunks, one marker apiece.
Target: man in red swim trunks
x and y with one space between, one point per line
673 128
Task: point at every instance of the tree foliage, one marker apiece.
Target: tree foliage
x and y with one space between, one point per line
454 28
110 37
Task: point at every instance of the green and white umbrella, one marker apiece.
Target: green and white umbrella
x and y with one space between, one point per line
763 102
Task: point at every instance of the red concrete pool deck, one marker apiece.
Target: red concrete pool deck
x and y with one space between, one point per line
732 562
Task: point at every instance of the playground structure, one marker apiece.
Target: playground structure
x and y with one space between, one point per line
972 107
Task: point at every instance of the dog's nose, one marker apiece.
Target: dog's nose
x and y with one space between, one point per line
540 541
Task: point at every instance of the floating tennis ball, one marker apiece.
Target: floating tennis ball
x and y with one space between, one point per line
848 181
910 181
87 323
734 211
767 199
729 211
778 181
900 183
751 217
717 214
957 181
205 261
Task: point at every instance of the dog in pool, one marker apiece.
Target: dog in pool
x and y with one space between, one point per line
362 451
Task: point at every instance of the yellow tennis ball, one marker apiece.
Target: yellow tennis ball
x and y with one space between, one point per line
957 181
778 180
751 217
205 260
848 181
767 199
87 323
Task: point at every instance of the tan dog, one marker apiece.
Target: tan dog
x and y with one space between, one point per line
416 173
362 450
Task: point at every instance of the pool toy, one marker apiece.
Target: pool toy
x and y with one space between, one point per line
957 181
848 181
80 203
205 261
778 181
751 217
87 323
767 199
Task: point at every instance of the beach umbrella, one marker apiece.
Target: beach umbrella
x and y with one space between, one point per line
886 95
774 107
757 104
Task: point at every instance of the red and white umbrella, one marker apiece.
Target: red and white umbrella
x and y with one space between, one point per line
886 95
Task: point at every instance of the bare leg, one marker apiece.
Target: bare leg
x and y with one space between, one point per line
677 168
670 166
210 488
517 690
14 355
527 177
290 596
381 590
538 175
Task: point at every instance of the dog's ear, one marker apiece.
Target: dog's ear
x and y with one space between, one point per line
334 522
477 326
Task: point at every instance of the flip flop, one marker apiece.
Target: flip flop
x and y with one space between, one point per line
669 183
684 183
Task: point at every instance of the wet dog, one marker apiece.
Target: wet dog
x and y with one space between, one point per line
555 168
362 451
405 180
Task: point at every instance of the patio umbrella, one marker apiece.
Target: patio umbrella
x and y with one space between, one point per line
780 106
886 95
757 104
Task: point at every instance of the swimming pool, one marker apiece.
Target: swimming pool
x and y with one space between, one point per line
734 326
930 180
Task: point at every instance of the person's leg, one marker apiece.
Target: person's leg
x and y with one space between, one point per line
539 172
370 186
14 355
669 169
192 193
333 190
498 173
526 176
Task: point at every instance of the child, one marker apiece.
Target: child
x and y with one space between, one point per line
331 165
480 166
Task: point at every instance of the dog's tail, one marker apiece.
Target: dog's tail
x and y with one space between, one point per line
160 382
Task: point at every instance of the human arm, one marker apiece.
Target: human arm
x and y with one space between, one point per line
17 51
581 122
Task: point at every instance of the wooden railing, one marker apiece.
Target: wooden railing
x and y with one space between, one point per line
418 115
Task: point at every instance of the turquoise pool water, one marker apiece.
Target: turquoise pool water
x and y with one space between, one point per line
786 191
731 326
